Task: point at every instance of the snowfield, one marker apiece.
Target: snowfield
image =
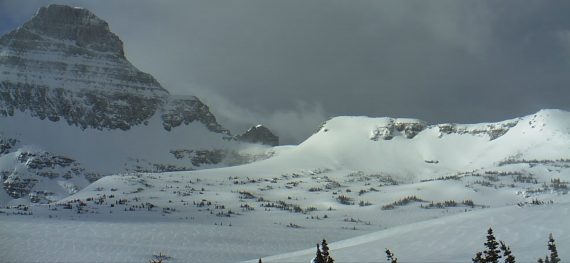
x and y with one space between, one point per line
456 238
427 192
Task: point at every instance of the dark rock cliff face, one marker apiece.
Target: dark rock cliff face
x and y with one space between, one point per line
66 64
185 110
259 134
84 108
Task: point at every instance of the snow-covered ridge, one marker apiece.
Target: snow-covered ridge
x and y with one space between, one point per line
339 183
386 128
410 148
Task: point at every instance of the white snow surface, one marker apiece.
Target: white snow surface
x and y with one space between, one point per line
341 184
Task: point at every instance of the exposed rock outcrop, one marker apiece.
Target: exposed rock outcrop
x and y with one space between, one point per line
493 130
259 134
34 167
409 128
184 110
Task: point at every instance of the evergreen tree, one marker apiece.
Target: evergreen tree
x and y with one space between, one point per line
325 249
553 252
319 257
492 252
507 254
390 256
326 254
259 261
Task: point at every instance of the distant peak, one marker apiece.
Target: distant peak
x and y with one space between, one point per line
63 14
76 24
259 134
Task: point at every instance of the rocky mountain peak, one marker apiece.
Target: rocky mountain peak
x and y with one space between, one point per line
75 24
65 64
259 134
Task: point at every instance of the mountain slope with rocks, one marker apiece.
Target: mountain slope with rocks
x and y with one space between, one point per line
67 91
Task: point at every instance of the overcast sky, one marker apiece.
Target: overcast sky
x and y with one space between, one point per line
293 64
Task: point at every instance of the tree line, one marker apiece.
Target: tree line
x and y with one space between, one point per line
496 250
493 252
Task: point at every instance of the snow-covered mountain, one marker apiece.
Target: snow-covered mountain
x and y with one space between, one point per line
73 109
95 154
411 149
401 181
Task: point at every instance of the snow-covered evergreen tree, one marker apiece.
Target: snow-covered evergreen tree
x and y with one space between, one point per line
325 250
553 252
318 257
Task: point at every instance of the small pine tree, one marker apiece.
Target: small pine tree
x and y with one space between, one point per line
390 256
507 254
553 252
326 254
259 261
492 253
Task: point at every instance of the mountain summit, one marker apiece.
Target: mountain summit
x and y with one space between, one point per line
74 109
66 64
75 24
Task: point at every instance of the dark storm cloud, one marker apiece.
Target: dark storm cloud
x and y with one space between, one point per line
291 64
